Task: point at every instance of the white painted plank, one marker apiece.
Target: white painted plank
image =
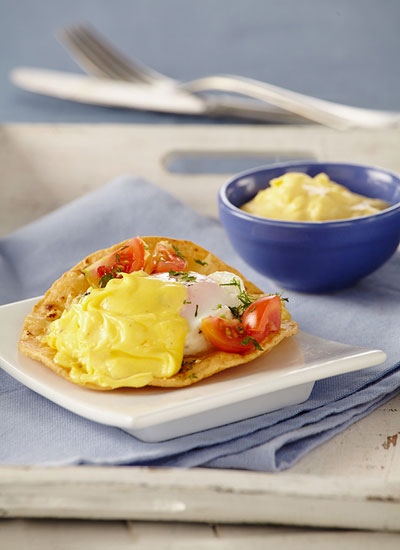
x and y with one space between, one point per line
44 165
370 448
101 535
334 486
199 495
352 481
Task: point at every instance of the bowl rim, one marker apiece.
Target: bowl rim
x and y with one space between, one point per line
287 223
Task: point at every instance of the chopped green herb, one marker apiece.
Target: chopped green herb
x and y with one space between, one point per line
282 297
178 252
183 275
200 262
192 376
105 278
113 274
197 310
237 311
249 339
244 298
188 364
186 302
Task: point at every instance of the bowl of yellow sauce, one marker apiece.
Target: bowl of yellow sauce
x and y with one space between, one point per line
313 226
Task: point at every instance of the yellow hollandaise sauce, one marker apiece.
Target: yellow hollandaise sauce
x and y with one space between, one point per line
124 334
298 197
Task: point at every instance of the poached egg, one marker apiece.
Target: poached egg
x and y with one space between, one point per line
207 295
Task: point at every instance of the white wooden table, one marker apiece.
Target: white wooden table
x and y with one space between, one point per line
351 482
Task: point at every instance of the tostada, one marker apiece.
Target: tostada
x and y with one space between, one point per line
152 311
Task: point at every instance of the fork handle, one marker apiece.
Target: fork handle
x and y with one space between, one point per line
224 106
331 114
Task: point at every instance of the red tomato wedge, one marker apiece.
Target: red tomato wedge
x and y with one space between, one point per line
165 257
262 317
126 259
241 336
226 334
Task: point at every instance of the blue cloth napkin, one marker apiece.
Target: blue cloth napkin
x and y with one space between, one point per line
35 431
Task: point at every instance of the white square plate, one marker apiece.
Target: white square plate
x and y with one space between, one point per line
283 377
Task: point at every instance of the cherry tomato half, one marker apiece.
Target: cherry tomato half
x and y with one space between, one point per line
262 317
226 334
126 259
165 258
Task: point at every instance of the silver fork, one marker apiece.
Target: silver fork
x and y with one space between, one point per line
99 58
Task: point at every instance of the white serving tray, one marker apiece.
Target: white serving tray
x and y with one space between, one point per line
352 481
44 166
283 377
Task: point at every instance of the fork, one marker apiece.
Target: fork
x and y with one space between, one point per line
99 58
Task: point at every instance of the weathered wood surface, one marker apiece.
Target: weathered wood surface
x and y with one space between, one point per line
353 481
25 534
44 166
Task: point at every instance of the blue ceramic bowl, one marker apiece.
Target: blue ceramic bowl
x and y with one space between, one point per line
313 256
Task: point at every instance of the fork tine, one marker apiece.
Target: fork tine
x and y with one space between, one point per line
100 58
115 59
84 54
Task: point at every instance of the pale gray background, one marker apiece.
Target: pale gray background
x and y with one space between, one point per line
343 50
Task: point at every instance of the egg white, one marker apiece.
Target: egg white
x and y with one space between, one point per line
206 295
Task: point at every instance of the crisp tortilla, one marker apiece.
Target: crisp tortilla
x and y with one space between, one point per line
73 283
